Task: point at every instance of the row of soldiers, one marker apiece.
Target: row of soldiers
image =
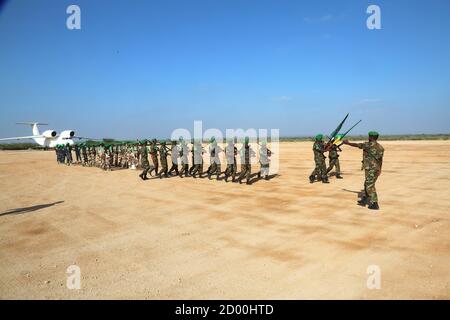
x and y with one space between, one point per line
104 156
133 155
372 162
180 151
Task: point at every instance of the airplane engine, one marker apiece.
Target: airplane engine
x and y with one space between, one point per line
49 133
67 134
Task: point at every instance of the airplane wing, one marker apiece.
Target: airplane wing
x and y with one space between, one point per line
21 138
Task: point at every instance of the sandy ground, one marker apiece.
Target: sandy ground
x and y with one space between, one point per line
194 239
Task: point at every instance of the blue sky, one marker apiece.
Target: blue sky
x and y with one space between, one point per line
143 68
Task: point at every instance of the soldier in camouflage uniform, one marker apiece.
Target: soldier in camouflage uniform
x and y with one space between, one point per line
373 160
197 159
184 152
163 153
84 154
76 148
193 157
333 157
230 154
154 155
214 159
93 156
264 160
174 152
116 156
145 165
320 170
246 167
108 158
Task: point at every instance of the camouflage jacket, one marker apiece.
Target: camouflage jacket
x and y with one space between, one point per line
144 159
372 155
333 154
318 149
153 150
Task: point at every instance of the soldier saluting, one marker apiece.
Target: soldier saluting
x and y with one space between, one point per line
373 160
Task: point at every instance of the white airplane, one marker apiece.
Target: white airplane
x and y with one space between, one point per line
48 138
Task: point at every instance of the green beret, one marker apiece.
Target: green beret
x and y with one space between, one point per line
319 137
212 139
247 139
373 134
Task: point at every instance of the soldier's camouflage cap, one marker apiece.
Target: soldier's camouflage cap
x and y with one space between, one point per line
319 137
373 134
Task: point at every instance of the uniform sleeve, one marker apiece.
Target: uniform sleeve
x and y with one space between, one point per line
363 146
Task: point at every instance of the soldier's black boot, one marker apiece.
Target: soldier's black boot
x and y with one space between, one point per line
338 176
142 176
373 206
325 180
311 179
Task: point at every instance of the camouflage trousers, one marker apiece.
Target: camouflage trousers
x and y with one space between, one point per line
184 169
320 170
369 185
214 168
246 171
334 163
264 170
197 168
174 168
146 167
231 170
164 167
155 162
107 162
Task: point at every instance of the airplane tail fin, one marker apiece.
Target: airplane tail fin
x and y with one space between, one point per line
34 126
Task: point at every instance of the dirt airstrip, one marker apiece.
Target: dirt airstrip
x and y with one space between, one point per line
193 239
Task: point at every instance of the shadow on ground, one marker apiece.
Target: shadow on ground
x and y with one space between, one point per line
29 209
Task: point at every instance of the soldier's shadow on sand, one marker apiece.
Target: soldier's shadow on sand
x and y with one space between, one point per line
254 177
29 209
